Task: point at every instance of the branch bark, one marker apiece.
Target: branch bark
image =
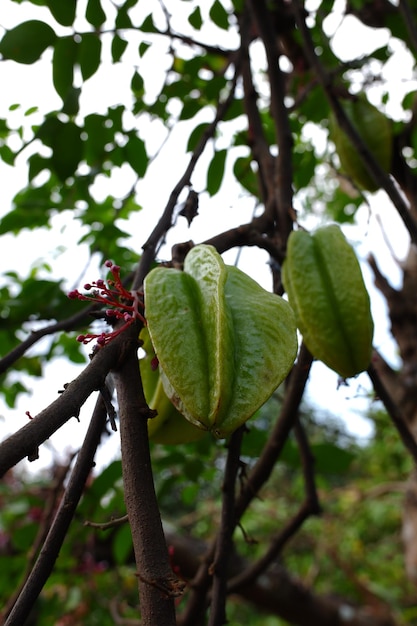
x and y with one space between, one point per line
158 587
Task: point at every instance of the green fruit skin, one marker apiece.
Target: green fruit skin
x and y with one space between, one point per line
169 426
325 287
224 344
375 130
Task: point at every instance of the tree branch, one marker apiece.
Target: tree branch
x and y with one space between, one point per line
224 544
283 173
287 418
157 584
56 535
394 412
381 178
165 223
277 592
22 443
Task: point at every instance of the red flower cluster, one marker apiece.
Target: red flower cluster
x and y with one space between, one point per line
125 304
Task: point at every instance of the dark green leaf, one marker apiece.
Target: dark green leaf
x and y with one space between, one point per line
118 46
122 19
219 15
148 25
136 85
195 18
95 14
244 173
63 11
331 459
215 172
89 54
143 47
196 135
122 544
136 155
67 150
190 108
71 104
7 155
106 480
37 164
26 42
64 57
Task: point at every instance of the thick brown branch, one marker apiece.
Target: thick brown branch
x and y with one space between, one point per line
157 584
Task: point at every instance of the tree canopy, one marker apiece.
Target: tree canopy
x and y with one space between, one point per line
153 141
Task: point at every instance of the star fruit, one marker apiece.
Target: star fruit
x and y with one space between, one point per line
224 344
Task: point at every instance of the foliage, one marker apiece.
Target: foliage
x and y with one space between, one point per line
198 107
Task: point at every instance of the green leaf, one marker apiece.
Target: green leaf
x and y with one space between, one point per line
196 135
37 164
195 19
219 15
136 155
64 57
215 172
190 108
122 544
67 149
244 173
89 53
104 483
148 25
118 46
26 42
63 11
7 155
331 459
143 47
95 14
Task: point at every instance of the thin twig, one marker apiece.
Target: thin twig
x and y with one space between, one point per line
394 413
68 324
309 507
287 418
219 568
283 175
165 222
55 538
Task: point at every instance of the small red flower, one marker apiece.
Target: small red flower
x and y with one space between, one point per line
125 305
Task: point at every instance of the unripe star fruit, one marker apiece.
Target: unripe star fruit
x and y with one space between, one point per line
223 343
325 287
169 426
376 132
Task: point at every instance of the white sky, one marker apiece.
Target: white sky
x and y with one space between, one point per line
31 85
